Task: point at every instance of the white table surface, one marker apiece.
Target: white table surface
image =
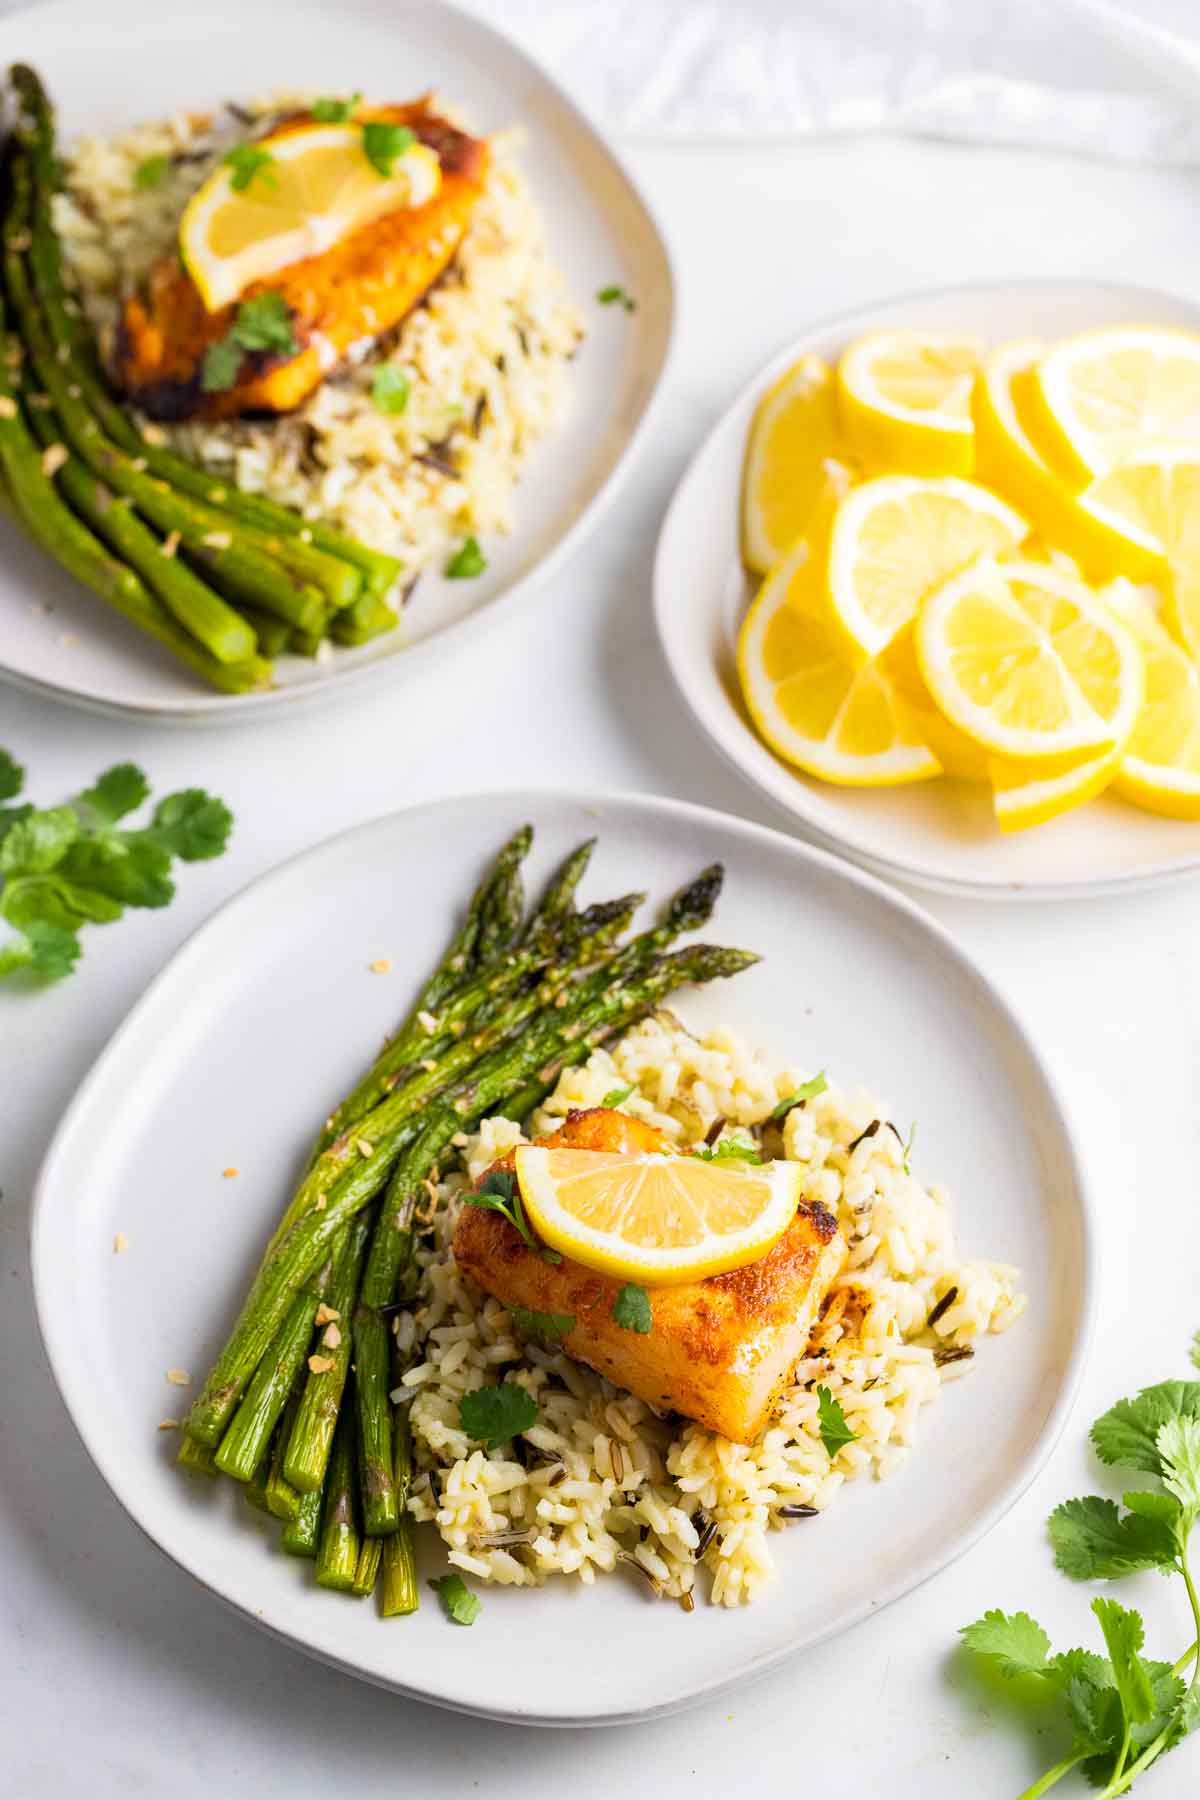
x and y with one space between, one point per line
121 1676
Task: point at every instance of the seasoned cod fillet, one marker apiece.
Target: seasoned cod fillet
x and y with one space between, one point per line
349 294
720 1350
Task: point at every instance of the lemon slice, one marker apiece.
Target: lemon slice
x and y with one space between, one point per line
898 537
655 1217
1022 797
1153 495
831 717
1106 393
1105 540
959 756
1029 662
1160 771
906 400
317 187
794 434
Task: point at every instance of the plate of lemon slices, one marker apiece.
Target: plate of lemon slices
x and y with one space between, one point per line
932 585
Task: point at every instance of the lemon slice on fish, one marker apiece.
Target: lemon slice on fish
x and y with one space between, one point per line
293 195
656 1218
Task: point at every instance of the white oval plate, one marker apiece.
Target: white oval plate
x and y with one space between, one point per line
254 1029
936 834
600 231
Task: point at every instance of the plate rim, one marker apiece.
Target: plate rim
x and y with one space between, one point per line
888 868
945 946
278 703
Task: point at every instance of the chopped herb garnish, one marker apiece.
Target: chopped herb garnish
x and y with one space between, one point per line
808 1090
1124 1710
247 161
459 1603
906 1148
335 112
492 1415
261 323
63 867
615 295
383 143
831 1423
149 174
389 389
498 1192
468 561
631 1309
729 1150
618 1096
544 1325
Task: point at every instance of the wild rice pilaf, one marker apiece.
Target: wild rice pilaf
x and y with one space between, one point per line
486 354
599 1477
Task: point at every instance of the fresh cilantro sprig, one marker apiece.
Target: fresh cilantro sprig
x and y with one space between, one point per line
1124 1710
458 1602
260 323
808 1090
834 1432
335 112
248 161
492 1415
548 1326
63 867
383 143
498 1192
631 1309
729 1150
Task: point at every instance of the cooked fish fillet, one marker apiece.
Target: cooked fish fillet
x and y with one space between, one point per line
720 1350
353 292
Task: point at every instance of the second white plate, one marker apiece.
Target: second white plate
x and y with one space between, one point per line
937 834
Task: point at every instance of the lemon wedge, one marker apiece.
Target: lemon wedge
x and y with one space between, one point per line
1030 663
1160 771
294 195
793 436
656 1218
1102 395
898 537
906 400
831 717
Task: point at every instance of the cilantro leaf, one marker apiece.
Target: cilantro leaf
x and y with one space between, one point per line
1128 1432
120 790
151 172
808 1090
729 1150
54 900
615 295
335 112
618 1096
192 825
131 868
1124 1636
1015 1645
831 1423
13 815
1094 1541
384 142
499 1181
492 1415
1178 1445
219 368
12 776
460 1604
631 1309
247 161
498 1192
545 1325
46 951
265 323
467 562
390 388
39 841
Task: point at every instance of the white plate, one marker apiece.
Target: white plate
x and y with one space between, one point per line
600 231
937 834
253 1030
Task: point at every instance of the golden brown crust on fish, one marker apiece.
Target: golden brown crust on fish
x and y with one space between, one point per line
719 1351
357 290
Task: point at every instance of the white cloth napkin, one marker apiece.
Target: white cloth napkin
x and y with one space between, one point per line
1113 78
